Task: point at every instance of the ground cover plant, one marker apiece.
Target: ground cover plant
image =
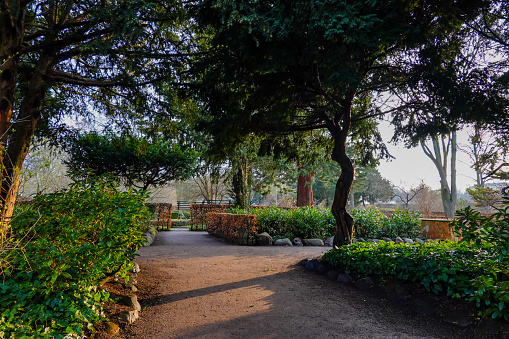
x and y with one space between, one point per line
476 268
61 250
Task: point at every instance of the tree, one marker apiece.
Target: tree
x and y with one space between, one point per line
375 188
440 156
488 151
134 161
407 195
486 198
277 67
67 57
304 187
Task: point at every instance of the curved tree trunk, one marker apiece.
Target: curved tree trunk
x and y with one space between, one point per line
339 129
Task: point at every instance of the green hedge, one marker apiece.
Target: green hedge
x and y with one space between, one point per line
302 222
372 223
61 249
458 269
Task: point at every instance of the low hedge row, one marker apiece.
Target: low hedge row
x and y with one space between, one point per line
303 222
372 223
198 212
239 229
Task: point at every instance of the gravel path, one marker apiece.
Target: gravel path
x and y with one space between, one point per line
195 286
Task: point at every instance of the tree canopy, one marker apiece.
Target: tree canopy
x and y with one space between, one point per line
80 58
133 161
278 67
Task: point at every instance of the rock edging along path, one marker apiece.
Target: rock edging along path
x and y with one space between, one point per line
195 286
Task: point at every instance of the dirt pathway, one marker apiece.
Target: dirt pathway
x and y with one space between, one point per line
195 286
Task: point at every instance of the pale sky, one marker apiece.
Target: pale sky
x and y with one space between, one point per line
410 166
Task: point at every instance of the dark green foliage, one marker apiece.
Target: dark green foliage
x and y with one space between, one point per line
372 223
303 222
132 160
62 248
459 269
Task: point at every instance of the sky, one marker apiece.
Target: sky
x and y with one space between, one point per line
410 166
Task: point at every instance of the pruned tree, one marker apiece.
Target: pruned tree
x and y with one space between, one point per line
133 161
278 67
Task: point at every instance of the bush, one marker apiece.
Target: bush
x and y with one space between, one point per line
302 222
372 223
492 233
63 247
458 269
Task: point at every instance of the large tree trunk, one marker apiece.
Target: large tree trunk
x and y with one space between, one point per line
339 129
439 156
240 183
11 30
304 188
21 135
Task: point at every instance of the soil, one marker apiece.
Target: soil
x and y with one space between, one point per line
192 285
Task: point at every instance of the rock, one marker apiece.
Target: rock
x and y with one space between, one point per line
133 288
344 278
130 316
419 241
111 328
283 242
329 242
263 239
304 262
297 242
354 240
361 240
364 284
457 317
133 281
376 241
315 265
133 302
333 275
312 242
386 239
398 240
408 241
136 267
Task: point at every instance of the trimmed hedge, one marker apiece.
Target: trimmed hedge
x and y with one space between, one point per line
199 212
239 229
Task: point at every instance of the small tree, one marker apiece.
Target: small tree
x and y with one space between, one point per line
135 162
486 198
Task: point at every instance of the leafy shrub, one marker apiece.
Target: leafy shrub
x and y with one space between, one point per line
303 222
372 223
458 269
65 245
367 222
492 233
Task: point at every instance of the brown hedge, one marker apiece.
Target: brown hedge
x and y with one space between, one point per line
239 229
199 212
163 213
